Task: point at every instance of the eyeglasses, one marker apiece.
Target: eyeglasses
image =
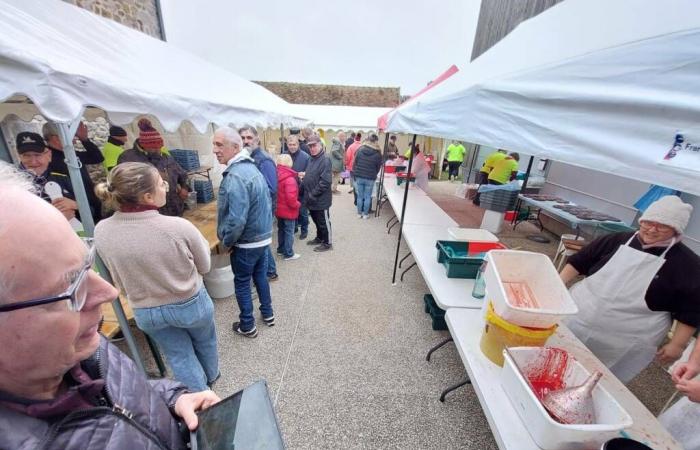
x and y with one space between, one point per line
646 225
76 292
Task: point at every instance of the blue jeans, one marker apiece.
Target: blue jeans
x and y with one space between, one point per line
303 220
186 334
271 264
364 187
251 264
285 236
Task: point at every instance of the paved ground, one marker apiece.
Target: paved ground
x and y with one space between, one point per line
346 361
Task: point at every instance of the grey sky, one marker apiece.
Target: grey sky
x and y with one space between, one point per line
403 43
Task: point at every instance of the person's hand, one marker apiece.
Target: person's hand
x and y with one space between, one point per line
691 388
183 193
82 132
66 206
301 175
669 353
187 405
685 371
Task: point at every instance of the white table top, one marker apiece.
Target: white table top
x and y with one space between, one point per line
420 209
509 431
447 292
568 217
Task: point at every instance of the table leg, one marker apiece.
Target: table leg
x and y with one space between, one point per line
540 220
407 269
440 345
452 388
392 226
390 220
514 220
404 259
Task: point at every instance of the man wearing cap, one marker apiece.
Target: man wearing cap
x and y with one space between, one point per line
35 159
318 198
636 285
114 146
91 155
147 149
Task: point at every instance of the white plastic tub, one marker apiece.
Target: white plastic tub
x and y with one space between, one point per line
219 281
547 432
538 273
471 235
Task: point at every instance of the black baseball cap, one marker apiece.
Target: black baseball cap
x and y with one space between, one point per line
30 142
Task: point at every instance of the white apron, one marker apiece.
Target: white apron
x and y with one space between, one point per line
681 420
614 321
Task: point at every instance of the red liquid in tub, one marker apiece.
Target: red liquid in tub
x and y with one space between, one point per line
519 294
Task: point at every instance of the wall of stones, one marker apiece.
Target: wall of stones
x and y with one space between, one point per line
324 94
141 15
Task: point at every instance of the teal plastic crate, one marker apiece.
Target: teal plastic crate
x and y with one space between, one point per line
436 314
463 259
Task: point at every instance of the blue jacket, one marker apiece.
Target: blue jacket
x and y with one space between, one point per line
244 208
266 166
300 160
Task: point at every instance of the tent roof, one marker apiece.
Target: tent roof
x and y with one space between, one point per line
65 58
333 117
593 83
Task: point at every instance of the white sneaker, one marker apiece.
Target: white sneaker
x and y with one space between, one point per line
359 216
365 217
293 257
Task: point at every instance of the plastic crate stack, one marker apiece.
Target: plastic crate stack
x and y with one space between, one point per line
500 200
205 191
188 159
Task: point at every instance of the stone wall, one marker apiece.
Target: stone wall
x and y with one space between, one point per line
324 94
141 15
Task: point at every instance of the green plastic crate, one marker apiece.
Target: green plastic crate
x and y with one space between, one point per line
436 314
463 259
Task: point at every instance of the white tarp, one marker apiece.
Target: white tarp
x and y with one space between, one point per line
65 58
332 117
603 84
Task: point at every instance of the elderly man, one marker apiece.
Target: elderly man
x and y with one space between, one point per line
300 160
316 183
244 225
148 149
267 168
62 386
35 159
337 159
91 155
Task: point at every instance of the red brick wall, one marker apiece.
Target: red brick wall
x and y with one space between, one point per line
324 94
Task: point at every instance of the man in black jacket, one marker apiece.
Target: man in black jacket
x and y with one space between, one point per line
317 194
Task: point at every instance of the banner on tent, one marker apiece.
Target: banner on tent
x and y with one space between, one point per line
684 151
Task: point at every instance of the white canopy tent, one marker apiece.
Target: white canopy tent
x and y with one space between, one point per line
601 84
333 117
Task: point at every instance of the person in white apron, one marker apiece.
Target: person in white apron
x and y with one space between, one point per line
614 319
421 169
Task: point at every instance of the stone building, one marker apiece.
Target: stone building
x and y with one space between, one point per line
324 94
141 15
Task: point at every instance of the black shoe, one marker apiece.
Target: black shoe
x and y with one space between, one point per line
249 334
269 321
302 236
314 241
323 248
272 277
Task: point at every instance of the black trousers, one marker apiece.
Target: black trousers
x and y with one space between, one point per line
454 168
322 220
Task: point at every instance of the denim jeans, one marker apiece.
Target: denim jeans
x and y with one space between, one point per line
271 264
186 334
251 264
303 220
285 236
363 187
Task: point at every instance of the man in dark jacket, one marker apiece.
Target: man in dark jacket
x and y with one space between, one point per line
62 386
317 194
91 155
267 168
366 166
148 149
300 160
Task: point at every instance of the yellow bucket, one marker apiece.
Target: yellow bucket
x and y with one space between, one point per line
499 333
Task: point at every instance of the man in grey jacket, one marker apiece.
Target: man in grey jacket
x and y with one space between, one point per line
62 386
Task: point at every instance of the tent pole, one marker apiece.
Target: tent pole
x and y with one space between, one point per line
281 140
381 177
66 131
475 156
403 208
527 173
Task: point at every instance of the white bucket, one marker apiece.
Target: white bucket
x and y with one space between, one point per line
219 282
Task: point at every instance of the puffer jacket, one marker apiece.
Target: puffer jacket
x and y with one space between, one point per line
337 155
317 183
288 203
136 414
368 161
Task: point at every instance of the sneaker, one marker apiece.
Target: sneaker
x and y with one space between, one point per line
272 277
293 257
280 252
365 216
269 321
323 248
249 334
314 241
302 236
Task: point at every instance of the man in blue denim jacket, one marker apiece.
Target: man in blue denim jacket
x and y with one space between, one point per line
245 226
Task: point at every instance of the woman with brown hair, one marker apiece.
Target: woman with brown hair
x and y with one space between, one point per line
158 262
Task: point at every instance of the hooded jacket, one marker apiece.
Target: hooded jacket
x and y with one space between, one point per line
337 155
317 183
368 161
288 203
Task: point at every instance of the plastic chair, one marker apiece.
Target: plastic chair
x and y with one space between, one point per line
563 253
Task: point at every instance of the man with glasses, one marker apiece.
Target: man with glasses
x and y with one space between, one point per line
34 159
636 285
61 384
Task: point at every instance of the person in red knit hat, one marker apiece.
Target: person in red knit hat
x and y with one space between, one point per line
147 149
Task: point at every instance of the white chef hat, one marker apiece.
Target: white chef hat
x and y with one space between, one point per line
669 210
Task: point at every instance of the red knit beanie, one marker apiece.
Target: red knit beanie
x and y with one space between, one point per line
149 137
